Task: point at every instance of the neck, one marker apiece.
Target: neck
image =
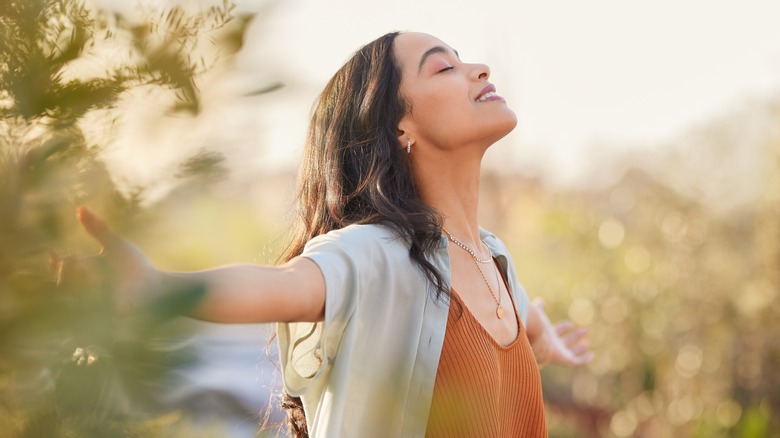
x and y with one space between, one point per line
450 185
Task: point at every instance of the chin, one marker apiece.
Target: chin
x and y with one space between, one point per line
512 121
505 125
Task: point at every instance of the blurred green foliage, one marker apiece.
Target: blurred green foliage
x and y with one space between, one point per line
69 365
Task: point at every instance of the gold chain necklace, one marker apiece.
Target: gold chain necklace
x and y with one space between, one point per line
469 250
477 261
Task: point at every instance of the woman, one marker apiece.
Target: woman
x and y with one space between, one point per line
399 315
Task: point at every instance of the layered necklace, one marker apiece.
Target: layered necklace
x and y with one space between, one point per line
477 262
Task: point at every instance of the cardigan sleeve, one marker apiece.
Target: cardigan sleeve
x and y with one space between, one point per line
307 349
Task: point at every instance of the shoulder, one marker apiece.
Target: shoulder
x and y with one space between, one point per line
495 244
360 239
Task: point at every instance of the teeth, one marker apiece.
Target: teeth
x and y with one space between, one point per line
485 96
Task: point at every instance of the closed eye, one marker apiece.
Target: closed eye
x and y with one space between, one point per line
446 68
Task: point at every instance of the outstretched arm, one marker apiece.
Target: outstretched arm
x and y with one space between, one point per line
562 343
241 293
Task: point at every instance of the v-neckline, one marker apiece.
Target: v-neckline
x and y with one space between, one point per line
466 309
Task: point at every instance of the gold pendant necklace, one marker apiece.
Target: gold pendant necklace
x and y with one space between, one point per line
477 261
499 309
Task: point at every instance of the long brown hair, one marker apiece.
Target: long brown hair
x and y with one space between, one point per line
355 170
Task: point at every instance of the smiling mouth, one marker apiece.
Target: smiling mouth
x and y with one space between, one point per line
486 96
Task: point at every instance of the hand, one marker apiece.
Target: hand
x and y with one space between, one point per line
131 270
562 343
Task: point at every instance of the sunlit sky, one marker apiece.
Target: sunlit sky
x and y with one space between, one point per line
630 74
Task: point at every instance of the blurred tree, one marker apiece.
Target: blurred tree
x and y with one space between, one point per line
69 366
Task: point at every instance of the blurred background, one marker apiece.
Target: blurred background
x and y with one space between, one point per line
639 195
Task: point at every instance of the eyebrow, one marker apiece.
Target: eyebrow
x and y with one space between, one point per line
432 51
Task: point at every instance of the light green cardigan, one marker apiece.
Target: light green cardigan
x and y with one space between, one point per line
369 369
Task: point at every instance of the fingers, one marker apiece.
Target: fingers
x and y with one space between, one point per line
575 348
581 348
570 341
571 336
578 344
562 327
583 357
95 227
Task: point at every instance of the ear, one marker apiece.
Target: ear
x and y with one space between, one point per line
404 132
401 134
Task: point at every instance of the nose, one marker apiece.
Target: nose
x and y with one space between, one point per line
481 72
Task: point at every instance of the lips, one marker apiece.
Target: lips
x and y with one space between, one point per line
488 92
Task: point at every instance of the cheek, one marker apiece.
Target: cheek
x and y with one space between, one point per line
442 112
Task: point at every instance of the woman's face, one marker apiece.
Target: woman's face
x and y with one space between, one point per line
451 103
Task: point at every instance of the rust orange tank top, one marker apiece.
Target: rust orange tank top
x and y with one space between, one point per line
482 388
